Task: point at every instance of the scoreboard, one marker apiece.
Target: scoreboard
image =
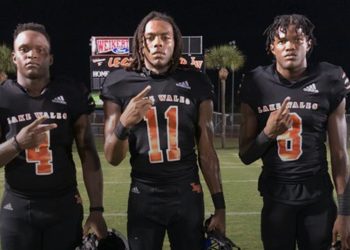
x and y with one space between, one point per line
111 52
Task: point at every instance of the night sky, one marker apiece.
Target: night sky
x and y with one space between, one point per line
71 24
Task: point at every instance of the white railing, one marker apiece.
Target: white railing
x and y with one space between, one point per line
232 124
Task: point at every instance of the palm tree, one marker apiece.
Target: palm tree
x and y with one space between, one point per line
6 64
222 58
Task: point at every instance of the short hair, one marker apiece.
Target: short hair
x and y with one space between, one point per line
137 56
31 26
283 21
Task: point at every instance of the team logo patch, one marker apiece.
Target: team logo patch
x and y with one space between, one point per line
184 85
311 88
59 99
196 187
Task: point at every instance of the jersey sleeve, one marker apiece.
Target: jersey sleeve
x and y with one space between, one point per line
246 90
109 89
204 89
340 88
80 104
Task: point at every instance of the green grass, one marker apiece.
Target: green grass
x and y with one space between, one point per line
240 185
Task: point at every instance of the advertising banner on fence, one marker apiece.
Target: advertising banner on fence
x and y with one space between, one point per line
102 65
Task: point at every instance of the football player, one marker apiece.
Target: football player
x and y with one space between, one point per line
288 110
40 118
160 113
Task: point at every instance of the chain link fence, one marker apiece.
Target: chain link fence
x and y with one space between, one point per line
232 124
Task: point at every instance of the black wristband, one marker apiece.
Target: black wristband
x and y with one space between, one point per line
218 200
16 144
121 132
343 205
97 209
344 201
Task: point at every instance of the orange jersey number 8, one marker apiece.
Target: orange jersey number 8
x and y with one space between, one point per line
289 143
41 156
173 152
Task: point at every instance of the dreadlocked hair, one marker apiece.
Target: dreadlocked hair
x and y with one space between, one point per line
31 26
282 22
138 41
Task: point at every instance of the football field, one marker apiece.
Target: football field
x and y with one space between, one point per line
243 202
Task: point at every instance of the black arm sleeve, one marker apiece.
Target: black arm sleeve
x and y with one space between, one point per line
257 148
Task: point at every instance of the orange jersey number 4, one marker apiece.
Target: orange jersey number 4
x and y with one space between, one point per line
41 156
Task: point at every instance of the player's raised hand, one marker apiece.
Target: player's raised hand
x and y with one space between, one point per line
279 120
136 109
33 134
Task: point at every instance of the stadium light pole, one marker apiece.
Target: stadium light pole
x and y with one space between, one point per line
233 44
218 103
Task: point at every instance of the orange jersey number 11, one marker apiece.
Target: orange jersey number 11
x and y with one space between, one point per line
173 151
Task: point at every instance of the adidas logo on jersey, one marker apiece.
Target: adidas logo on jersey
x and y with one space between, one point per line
135 190
8 206
59 99
311 88
346 81
184 85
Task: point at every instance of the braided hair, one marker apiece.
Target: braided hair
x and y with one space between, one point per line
138 41
282 23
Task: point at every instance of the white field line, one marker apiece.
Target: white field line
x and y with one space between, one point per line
206 214
128 182
222 166
227 165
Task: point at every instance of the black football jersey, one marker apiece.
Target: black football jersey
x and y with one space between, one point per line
300 152
162 145
49 169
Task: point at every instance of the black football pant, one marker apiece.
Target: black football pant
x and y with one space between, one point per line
177 209
309 226
40 224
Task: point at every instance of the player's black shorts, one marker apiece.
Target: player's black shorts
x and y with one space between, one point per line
40 223
309 226
177 209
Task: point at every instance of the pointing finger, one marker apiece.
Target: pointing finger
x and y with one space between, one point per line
143 93
284 108
38 121
45 127
289 122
